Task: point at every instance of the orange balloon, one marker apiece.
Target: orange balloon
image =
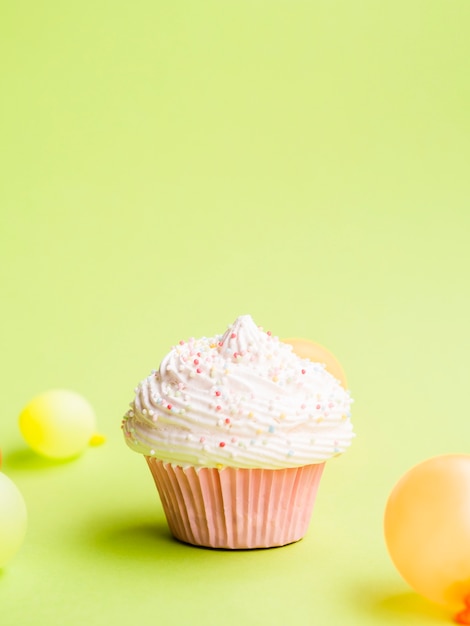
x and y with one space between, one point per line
427 530
307 349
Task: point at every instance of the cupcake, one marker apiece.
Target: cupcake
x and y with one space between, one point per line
236 430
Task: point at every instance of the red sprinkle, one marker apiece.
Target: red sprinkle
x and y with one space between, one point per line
196 362
198 370
269 333
218 393
218 408
222 444
233 336
303 371
227 420
169 406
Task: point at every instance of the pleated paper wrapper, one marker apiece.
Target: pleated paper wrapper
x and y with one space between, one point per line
237 508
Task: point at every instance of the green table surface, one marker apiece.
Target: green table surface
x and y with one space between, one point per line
168 166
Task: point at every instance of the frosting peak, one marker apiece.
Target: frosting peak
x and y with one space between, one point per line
239 338
241 399
243 340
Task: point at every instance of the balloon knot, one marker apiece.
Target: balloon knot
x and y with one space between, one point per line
97 440
463 617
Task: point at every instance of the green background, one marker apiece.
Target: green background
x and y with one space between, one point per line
168 166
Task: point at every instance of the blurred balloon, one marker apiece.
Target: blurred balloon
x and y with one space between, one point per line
58 424
307 349
12 519
427 531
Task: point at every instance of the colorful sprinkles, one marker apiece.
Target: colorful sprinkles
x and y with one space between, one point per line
262 388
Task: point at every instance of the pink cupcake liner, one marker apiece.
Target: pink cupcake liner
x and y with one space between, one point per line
237 508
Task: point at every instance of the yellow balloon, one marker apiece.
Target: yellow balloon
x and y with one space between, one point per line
58 424
307 349
13 519
427 531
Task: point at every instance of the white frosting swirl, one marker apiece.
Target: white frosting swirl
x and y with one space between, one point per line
242 399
